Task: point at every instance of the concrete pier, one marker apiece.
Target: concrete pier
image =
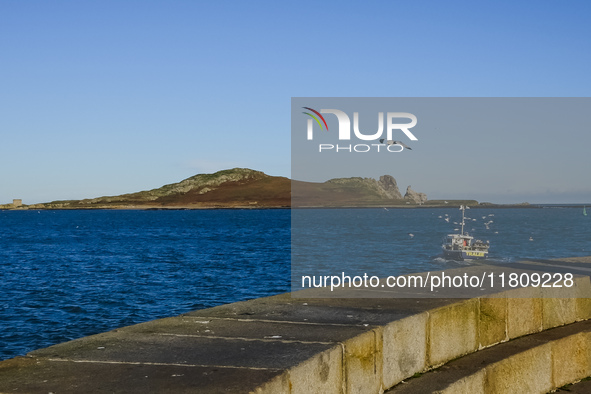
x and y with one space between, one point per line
313 342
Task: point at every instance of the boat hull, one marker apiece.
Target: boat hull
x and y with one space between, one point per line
462 255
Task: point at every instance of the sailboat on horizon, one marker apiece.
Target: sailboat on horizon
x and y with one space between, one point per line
584 211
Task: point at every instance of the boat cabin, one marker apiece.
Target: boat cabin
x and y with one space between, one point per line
457 242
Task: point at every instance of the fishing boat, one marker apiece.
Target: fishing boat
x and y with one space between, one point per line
463 246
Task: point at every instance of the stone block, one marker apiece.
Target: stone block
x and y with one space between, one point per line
524 311
405 348
571 359
559 307
321 374
277 385
526 372
363 363
453 331
583 297
493 321
471 384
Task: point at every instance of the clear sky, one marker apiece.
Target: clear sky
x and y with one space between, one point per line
111 97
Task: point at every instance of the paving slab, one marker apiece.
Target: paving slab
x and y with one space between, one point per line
184 350
34 375
212 327
348 311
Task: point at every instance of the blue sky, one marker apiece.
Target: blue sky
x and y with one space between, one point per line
103 98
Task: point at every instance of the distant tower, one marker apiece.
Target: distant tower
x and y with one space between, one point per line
17 202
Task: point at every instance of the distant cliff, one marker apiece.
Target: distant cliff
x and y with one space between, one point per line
245 188
418 198
355 192
385 188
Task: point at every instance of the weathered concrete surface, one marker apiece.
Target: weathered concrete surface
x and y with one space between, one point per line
363 363
556 309
327 311
184 350
492 326
582 387
529 371
214 327
571 359
347 341
34 375
270 345
524 312
453 331
471 384
317 374
404 348
532 364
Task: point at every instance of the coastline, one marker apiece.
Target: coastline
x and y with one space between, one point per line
250 207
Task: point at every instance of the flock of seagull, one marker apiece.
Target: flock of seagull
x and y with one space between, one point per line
486 224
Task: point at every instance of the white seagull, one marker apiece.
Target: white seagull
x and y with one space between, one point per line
391 142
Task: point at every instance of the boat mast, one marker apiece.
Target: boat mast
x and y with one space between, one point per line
462 208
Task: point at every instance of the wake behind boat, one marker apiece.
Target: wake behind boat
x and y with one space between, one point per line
463 246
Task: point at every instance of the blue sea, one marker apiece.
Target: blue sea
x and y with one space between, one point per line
68 274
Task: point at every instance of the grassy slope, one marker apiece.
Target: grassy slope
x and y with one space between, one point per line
241 187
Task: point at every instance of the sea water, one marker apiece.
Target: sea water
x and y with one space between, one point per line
68 274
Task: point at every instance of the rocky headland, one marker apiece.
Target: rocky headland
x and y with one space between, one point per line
246 188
